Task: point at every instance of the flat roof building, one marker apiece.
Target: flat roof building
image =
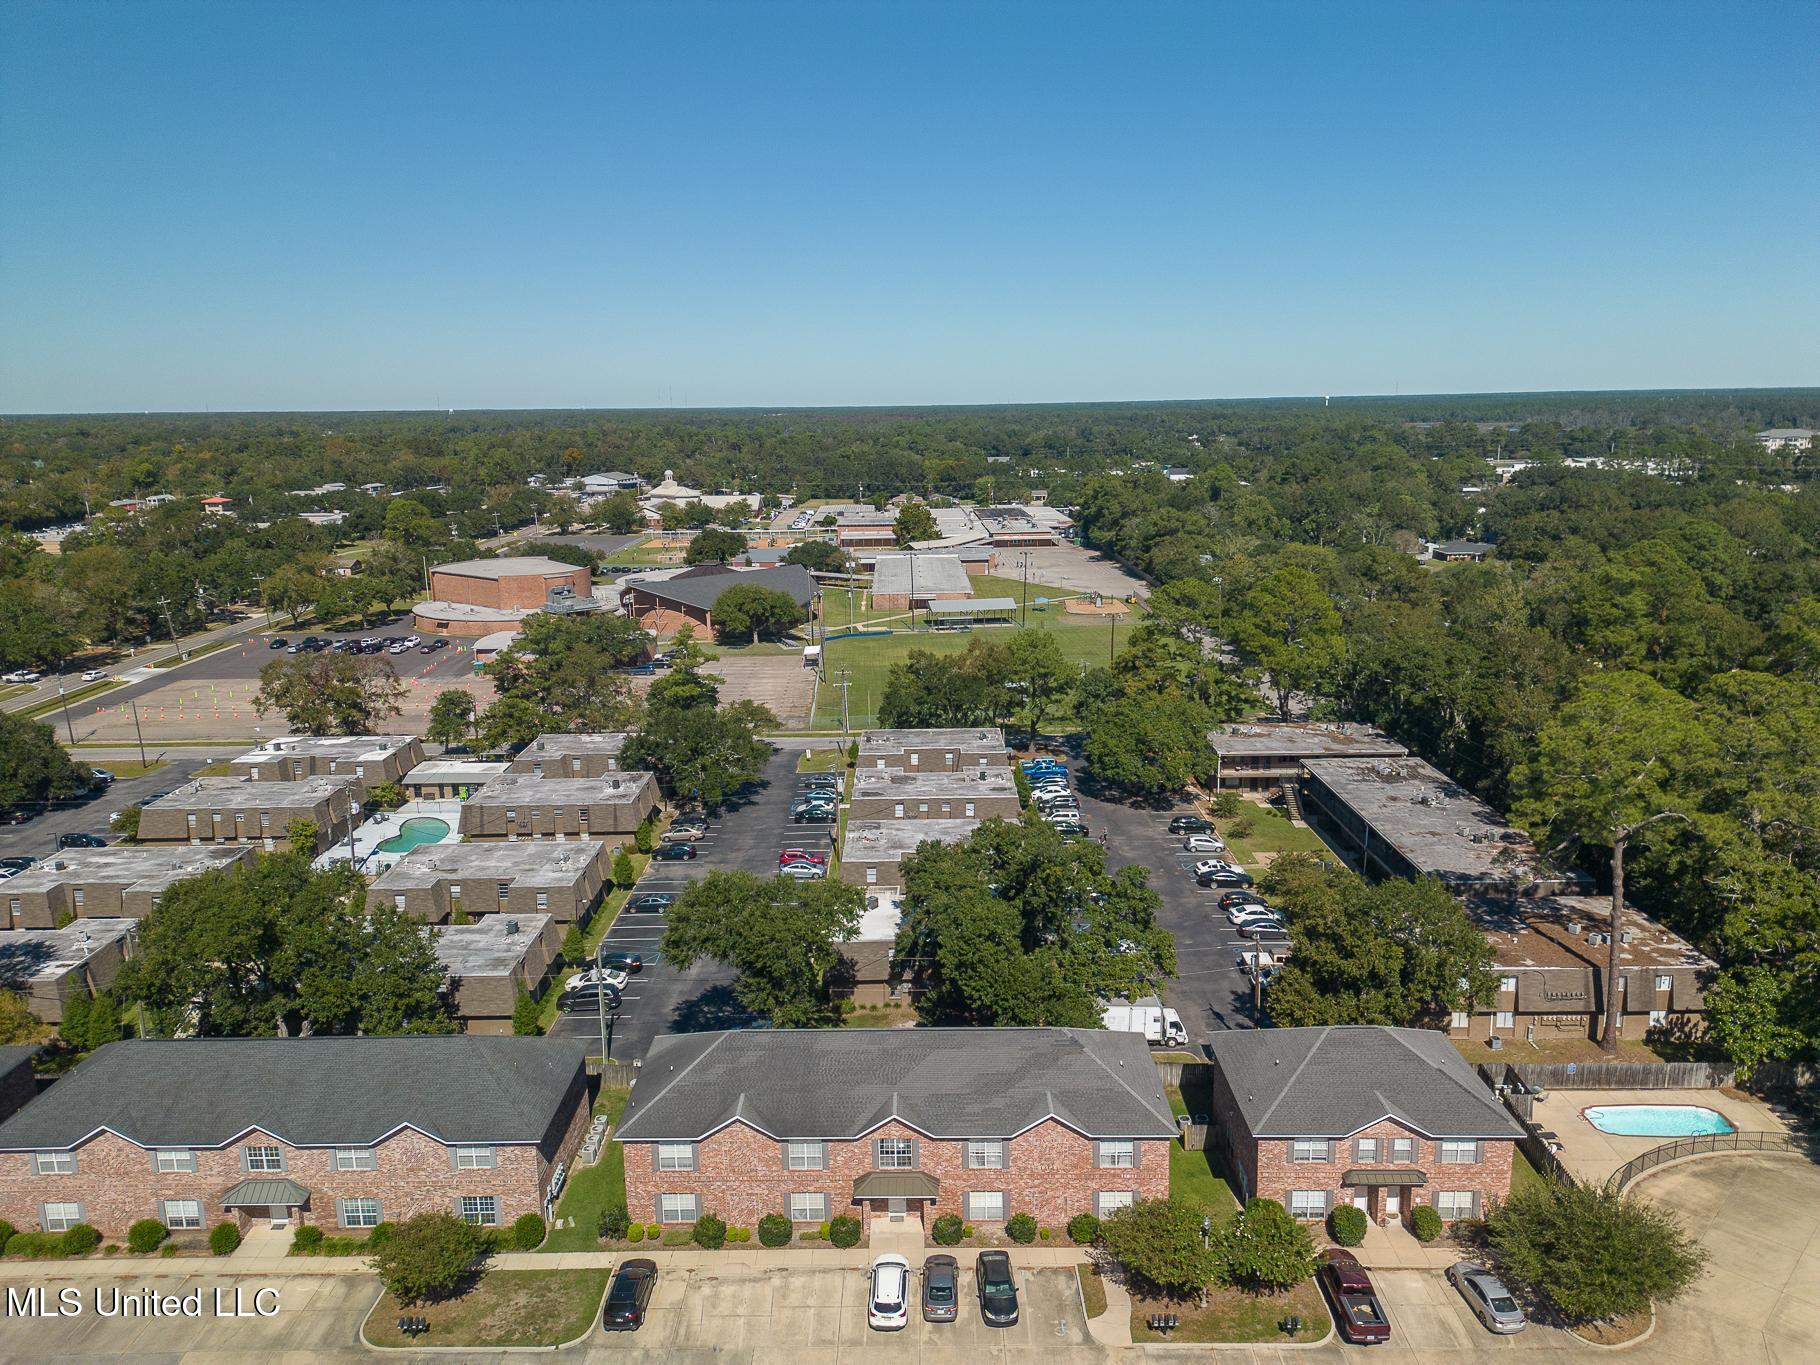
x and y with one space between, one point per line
1264 755
480 596
970 794
213 810
946 750
533 877
1401 817
525 806
449 779
564 755
49 967
371 758
117 881
904 581
692 593
489 960
873 849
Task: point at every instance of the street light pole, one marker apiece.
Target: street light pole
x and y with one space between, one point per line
68 729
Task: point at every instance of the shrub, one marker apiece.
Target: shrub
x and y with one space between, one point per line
709 1232
615 1224
774 1230
431 1256
168 1249
527 1231
1266 1249
844 1231
224 1238
635 1233
643 839
7 1232
1346 1224
306 1239
1021 1228
35 1244
1424 1222
947 1230
821 1230
966 1229
380 1233
146 1235
653 1231
1158 1242
1083 1229
1228 805
78 1240
1242 828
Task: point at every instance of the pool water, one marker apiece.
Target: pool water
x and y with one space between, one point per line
421 829
1658 1120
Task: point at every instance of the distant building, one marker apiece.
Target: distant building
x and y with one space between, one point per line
237 810
1473 550
218 506
446 779
476 597
521 806
903 582
969 794
489 961
372 759
613 481
873 849
118 881
692 593
1010 527
1263 756
567 755
1791 438
532 877
969 747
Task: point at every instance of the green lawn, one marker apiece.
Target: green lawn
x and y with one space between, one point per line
592 1190
829 760
123 769
69 698
1093 1289
1235 1315
1196 1178
1522 1174
597 930
1271 833
507 1308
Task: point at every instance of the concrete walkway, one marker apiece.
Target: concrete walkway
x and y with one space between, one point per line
1393 1247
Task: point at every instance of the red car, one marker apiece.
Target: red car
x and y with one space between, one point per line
1355 1304
802 855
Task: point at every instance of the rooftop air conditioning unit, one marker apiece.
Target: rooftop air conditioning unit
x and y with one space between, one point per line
1627 937
1495 1043
511 925
1573 927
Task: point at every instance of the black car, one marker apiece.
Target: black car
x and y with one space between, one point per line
278 642
628 1296
1190 824
941 1289
673 853
1225 878
588 1000
16 864
814 815
81 841
997 1289
813 780
1233 899
651 903
629 963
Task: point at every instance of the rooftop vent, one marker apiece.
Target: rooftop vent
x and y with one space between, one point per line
510 926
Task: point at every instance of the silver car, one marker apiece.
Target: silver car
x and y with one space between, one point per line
1489 1300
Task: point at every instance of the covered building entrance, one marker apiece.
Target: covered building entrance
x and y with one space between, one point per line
1383 1194
276 1199
900 1196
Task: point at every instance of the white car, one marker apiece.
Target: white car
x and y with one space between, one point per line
95 675
612 976
888 1303
803 872
1207 867
24 675
412 640
1203 843
1241 915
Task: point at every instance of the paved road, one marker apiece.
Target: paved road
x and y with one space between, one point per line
661 999
605 546
47 690
38 838
1209 991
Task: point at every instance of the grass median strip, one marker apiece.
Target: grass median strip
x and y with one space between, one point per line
592 1190
83 693
506 1308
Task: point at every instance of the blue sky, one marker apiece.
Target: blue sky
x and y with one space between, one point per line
322 205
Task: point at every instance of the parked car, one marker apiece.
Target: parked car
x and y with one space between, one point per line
814 814
629 1295
803 872
801 855
674 853
833 780
17 864
95 675
399 648
1234 900
684 832
1240 915
81 841
610 977
997 1289
1491 1303
1225 877
941 1289
1190 824
629 963
1355 1304
22 675
588 1000
888 1302
650 903
102 775
1203 843
278 642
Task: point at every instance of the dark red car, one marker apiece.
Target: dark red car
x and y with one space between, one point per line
1355 1303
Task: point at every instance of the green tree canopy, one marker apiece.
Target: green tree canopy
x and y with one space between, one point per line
330 694
747 609
566 668
1158 1244
714 546
915 522
34 768
451 721
818 556
1288 628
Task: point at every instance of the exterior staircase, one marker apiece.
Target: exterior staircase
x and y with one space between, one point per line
1292 803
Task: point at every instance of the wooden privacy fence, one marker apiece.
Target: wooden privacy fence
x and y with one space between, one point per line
1617 1075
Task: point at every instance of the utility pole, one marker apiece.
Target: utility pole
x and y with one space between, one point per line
1112 642
68 729
1024 559
170 624
844 682
141 735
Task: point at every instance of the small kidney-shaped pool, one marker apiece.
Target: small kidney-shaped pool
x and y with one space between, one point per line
415 832
1657 1120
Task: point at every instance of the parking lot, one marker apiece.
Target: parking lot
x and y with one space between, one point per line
37 837
661 999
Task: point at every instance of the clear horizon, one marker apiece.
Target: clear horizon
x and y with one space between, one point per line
486 206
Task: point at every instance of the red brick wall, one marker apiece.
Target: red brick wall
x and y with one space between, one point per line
740 1175
525 592
115 1182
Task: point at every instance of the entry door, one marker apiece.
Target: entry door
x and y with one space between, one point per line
897 1208
1361 1198
280 1215
1393 1201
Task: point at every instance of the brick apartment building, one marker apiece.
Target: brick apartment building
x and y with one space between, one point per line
50 967
237 810
371 758
571 755
107 883
925 751
489 960
340 1133
873 849
1265 756
969 794
521 806
449 779
1550 957
479 596
532 877
900 1123
1384 1118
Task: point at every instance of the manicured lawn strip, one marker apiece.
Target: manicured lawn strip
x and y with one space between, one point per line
70 698
196 653
123 771
1234 1315
829 760
1093 1289
1558 1050
1523 1175
1194 1178
592 1189
507 1308
1271 833
597 930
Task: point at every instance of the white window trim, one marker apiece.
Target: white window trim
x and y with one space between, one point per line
974 1216
355 1159
669 1160
180 1220
478 1218
818 1209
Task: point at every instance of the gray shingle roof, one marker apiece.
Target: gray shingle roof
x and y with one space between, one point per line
204 1092
1331 1082
703 590
946 1083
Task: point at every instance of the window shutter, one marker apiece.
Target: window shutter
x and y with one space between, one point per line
1478 1155
1475 1203
916 1163
153 1154
1327 1197
783 1149
875 1157
655 1147
453 1166
966 1154
1137 1153
1331 1144
247 1165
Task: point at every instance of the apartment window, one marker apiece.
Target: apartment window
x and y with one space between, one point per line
922 807
359 1213
1402 1150
181 1213
1451 1204
543 900
354 1159
1507 983
1505 1019
871 876
947 808
1117 1154
1658 1018
808 1208
1308 1149
1308 1203
265 819
1108 1202
482 1210
533 814
263 1158
61 1217
14 905
511 815
916 760
474 1158
53 1163
676 1156
505 890
1364 1149
1458 1153
895 1154
985 1206
988 1155
173 1160
398 900
969 808
1664 983
1459 1019
898 810
455 891
805 1156
677 1208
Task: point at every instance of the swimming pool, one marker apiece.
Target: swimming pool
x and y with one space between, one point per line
1657 1120
421 829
